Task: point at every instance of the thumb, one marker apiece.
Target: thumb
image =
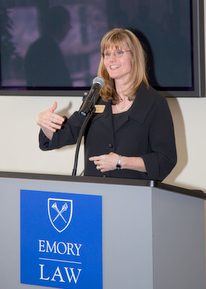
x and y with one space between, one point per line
53 107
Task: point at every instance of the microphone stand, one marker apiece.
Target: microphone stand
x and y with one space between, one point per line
81 133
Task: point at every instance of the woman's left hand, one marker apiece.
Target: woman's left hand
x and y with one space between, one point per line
106 162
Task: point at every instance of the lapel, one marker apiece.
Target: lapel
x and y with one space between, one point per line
106 114
140 108
144 101
105 119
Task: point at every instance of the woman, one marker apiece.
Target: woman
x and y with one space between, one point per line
133 135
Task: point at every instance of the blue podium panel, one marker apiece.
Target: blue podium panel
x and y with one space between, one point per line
61 239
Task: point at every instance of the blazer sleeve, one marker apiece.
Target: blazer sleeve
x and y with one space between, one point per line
67 135
163 156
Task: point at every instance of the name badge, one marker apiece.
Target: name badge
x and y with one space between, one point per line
99 108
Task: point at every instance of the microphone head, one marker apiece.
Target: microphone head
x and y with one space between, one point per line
99 80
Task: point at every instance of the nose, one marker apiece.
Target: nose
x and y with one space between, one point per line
113 55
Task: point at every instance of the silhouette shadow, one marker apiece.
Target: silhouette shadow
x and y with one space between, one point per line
45 65
149 56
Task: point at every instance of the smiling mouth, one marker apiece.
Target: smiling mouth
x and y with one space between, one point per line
113 67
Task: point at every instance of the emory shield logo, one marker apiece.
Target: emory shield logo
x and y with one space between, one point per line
60 213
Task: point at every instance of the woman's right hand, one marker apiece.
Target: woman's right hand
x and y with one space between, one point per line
49 121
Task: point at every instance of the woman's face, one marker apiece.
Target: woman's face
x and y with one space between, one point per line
118 63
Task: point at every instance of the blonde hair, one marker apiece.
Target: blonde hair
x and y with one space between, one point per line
118 37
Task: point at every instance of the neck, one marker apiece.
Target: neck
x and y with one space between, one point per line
121 95
121 89
122 98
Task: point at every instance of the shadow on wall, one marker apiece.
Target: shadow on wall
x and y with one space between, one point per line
182 153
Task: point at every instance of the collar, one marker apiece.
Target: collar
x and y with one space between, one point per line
144 101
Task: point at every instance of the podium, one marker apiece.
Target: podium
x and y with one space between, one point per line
152 233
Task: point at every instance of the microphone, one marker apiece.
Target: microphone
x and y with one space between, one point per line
92 96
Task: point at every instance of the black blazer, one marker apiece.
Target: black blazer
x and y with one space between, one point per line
145 130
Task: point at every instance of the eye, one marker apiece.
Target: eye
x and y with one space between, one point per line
119 53
107 54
